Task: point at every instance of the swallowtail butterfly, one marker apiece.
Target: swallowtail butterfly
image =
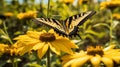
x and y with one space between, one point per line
67 27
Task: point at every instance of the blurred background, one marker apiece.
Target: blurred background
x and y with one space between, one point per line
101 29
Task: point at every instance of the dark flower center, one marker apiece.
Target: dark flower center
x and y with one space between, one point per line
95 50
47 37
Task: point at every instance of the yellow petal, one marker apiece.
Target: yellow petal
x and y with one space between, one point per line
68 43
67 57
3 45
42 51
18 50
80 61
20 37
116 59
62 47
69 63
26 39
109 47
95 61
54 49
44 31
38 46
80 54
54 44
51 31
34 34
25 49
107 61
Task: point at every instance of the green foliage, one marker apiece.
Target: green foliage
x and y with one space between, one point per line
100 29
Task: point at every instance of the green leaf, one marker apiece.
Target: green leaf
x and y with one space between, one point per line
94 33
101 24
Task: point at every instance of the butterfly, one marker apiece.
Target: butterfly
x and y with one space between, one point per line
68 27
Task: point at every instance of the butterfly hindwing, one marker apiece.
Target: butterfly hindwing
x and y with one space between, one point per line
68 27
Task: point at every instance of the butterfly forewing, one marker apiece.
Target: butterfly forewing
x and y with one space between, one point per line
55 24
79 19
73 21
47 22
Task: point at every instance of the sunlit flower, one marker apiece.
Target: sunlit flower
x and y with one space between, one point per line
67 1
8 14
2 48
96 56
13 50
110 4
9 49
83 1
116 16
115 0
41 41
27 15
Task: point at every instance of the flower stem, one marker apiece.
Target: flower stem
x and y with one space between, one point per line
14 63
48 9
111 29
78 6
6 33
48 52
48 57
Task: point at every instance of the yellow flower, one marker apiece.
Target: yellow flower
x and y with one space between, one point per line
67 1
94 55
116 16
110 4
9 49
8 14
27 15
2 48
115 0
14 49
83 1
41 41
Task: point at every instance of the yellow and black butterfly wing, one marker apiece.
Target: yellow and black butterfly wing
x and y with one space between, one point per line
55 24
68 27
72 23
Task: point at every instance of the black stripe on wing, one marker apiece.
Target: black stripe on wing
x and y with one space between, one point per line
47 22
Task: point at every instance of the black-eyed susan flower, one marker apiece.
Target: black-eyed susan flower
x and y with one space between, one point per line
13 50
8 14
116 16
110 4
96 56
115 0
83 1
27 15
2 48
41 41
66 1
9 49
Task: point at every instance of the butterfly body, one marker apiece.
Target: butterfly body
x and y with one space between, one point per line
67 27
